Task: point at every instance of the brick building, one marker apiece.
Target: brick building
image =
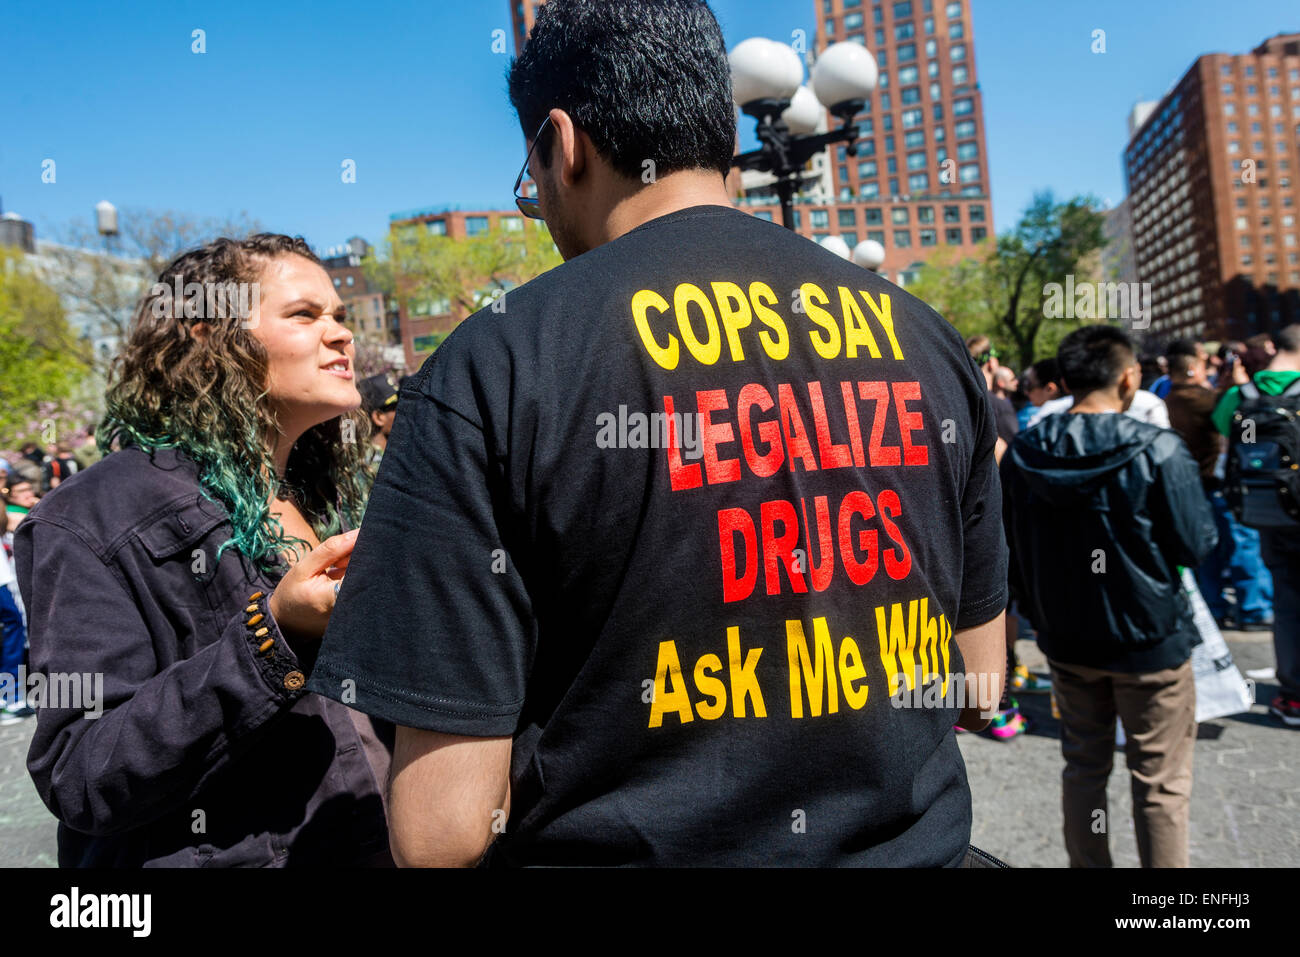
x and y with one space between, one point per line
1212 190
423 324
920 181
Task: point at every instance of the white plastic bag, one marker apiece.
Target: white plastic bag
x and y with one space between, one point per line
1220 688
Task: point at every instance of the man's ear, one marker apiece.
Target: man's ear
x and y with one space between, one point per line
570 149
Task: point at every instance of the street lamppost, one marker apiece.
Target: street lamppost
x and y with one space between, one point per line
766 79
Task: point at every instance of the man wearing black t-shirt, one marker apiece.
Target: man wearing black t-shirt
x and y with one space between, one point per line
684 555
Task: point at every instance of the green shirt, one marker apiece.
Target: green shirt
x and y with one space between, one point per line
1268 382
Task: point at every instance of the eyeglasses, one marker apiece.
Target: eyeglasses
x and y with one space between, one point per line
528 205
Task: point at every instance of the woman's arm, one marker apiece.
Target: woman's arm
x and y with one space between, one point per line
161 734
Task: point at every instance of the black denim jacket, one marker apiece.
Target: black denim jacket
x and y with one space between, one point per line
208 751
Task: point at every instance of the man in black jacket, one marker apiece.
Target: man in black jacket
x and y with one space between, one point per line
1101 509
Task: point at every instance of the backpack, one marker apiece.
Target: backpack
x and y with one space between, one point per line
1263 476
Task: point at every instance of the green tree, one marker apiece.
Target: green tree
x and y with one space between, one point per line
436 274
1001 293
41 362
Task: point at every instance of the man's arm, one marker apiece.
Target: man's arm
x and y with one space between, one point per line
449 796
984 651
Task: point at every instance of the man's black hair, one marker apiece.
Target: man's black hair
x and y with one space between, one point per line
645 79
1093 358
1181 347
1046 371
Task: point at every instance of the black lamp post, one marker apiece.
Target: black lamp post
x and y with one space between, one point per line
766 78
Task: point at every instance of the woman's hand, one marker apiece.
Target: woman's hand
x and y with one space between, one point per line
302 602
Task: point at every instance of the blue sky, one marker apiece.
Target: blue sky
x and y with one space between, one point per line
412 92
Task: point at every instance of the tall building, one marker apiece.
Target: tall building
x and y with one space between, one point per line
1213 199
920 180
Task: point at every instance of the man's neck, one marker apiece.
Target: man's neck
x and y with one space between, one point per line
1285 362
671 193
1098 402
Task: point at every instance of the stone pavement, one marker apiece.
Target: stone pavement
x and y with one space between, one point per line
1245 782
1245 791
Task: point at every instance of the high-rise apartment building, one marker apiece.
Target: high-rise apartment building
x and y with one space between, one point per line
1211 181
920 179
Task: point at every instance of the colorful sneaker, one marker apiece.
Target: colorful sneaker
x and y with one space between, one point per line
1008 723
1022 679
1288 709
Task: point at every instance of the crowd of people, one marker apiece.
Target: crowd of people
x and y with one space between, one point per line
357 622
1193 468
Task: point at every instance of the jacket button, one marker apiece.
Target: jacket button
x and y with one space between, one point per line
294 680
255 596
254 620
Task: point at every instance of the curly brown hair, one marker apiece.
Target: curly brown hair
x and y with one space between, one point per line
207 397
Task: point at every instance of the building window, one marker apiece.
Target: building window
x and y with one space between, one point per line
876 235
848 218
952 214
874 216
962 107
764 215
911 95
476 225
887 122
884 102
900 216
918 182
907 52
957 53
852 21
952 237
879 37
437 227
938 112
978 234
929 25
955 31
867 169
952 11
933 69
912 118
904 31
903 10
512 224
976 214
1227 89
968 151
916 161
351 281
925 214
902 238
820 219
969 174
934 91
908 75
869 190
960 75
850 238
915 138
928 237
891 164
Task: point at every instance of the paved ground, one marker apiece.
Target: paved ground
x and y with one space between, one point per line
1245 796
1245 783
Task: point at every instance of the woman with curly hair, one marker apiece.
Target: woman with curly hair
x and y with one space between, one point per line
176 590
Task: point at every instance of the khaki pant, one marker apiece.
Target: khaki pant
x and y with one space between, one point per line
1158 710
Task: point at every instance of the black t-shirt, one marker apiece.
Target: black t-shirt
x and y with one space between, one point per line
692 646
